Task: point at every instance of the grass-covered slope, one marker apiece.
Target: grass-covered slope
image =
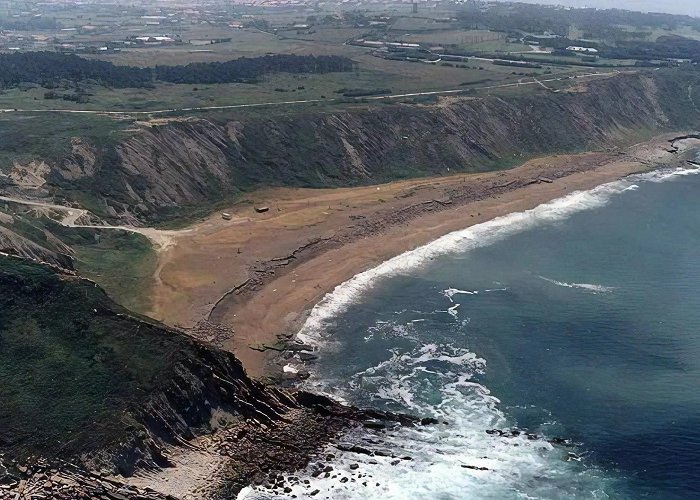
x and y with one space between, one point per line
85 382
71 361
81 377
121 262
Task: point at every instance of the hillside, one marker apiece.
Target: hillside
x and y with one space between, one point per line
81 375
86 382
170 170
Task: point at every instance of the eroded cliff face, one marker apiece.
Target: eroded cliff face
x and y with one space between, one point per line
53 252
86 381
88 386
164 171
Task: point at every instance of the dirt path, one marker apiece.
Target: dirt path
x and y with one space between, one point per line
161 239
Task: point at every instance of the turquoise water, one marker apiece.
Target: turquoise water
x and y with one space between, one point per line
560 345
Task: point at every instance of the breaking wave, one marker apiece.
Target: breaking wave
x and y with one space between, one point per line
451 292
475 453
583 286
476 236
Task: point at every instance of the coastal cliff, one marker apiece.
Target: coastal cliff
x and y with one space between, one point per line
162 172
87 386
92 389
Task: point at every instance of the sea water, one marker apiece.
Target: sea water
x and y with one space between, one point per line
559 348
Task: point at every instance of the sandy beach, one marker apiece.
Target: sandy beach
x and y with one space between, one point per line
260 273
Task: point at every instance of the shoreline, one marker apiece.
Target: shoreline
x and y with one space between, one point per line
269 306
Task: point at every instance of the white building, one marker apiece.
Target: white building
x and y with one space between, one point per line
585 50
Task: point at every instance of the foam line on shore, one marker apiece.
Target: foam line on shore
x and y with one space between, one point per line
479 235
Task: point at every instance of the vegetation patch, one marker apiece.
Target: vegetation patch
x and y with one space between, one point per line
362 92
74 366
50 69
122 262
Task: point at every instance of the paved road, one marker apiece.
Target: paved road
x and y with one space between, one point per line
307 101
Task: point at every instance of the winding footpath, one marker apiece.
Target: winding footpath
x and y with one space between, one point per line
161 239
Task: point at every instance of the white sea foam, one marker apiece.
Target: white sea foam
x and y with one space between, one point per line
476 236
663 174
438 380
584 286
451 292
452 311
391 329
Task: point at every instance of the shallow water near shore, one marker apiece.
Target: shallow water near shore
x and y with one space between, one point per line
561 346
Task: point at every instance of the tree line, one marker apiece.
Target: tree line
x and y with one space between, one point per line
608 24
49 69
32 24
665 47
249 69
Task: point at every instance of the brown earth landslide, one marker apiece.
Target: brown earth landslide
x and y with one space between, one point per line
259 273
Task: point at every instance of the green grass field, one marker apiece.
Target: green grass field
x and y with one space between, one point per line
371 73
433 26
123 263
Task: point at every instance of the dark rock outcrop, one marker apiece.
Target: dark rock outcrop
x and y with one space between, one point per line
88 386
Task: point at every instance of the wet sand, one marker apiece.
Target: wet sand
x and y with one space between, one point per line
259 274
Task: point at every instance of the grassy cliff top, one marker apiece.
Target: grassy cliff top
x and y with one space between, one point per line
73 365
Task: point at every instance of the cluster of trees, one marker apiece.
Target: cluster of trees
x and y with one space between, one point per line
32 24
517 64
602 24
561 43
362 92
248 69
78 97
667 47
49 68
